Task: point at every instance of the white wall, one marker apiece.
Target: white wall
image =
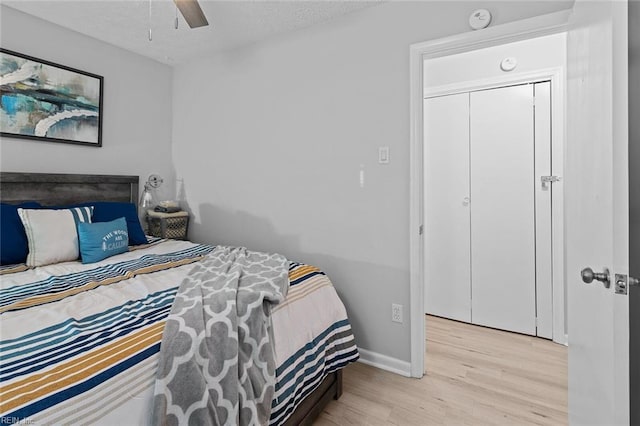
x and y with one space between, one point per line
533 55
136 134
270 140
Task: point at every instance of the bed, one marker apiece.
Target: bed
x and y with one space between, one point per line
80 343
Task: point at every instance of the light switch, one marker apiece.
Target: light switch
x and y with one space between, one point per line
383 155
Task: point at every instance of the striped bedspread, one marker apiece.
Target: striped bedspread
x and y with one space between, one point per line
79 343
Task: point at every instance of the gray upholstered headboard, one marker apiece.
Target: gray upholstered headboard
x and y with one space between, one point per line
51 189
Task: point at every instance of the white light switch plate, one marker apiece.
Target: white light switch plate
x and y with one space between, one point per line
383 155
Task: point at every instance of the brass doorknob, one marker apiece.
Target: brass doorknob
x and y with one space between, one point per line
604 277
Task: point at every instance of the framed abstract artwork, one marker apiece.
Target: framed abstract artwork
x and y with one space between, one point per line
43 101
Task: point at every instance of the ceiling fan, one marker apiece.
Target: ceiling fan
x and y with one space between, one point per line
192 13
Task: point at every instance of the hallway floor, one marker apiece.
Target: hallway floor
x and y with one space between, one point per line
474 376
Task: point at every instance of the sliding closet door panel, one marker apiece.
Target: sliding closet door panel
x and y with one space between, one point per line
544 256
502 209
447 233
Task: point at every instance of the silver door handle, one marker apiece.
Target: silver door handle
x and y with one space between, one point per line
466 201
604 277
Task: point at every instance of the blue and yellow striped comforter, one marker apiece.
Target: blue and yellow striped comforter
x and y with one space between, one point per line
79 343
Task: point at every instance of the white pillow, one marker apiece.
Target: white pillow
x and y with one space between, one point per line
52 234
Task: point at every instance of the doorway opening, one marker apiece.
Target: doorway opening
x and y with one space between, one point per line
491 214
450 55
597 198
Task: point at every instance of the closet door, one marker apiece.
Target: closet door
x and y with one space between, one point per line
502 209
446 183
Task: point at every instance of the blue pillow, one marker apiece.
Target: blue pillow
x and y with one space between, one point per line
13 240
105 211
100 240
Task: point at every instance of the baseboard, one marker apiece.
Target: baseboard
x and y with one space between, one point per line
384 362
561 340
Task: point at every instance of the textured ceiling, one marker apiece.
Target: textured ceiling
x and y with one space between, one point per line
232 23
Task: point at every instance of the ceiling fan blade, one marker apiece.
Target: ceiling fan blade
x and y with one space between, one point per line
192 13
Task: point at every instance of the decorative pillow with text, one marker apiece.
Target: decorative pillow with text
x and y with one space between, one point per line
102 239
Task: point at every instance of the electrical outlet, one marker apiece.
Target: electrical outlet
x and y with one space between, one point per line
396 313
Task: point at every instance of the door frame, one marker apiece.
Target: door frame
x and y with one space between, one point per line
502 34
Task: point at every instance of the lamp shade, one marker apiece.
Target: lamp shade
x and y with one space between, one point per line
147 200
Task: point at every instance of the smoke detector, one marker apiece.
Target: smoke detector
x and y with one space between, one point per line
479 19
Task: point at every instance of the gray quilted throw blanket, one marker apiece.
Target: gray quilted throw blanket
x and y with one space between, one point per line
217 361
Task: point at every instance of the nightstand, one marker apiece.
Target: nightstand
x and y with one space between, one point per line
168 225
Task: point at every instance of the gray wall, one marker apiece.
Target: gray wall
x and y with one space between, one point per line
136 136
270 140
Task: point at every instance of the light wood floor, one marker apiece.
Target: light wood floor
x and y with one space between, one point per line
475 376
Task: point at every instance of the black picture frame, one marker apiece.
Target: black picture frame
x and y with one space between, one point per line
44 101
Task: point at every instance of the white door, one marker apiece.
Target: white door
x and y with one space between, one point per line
596 208
446 185
503 239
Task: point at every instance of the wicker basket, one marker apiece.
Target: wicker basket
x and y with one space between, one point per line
168 225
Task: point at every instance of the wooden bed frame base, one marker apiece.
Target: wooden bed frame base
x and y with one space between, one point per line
314 403
60 189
